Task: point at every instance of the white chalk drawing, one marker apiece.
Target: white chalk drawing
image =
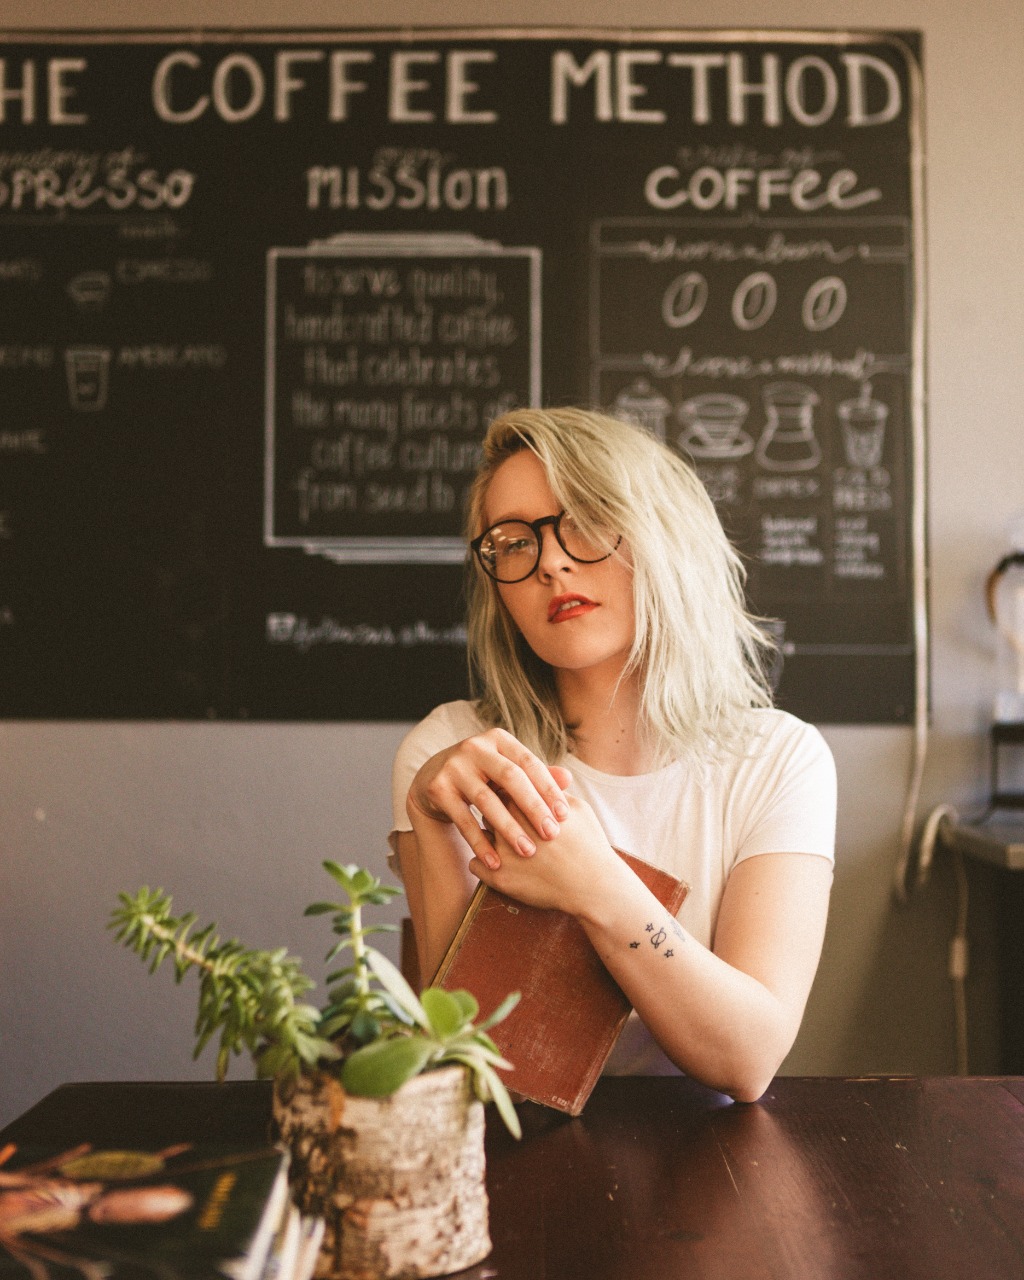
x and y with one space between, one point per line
90 290
862 422
788 442
754 301
641 404
713 426
88 375
683 302
824 304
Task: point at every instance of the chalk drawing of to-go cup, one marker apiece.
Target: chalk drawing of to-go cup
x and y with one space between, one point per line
788 442
863 426
714 426
639 403
88 373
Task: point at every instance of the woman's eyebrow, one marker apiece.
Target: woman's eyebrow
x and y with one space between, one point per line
512 515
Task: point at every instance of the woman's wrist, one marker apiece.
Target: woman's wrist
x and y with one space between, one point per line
423 809
600 892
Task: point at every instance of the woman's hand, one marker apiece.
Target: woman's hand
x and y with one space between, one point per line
574 871
495 774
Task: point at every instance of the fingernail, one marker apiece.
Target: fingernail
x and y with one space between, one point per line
561 810
549 830
526 847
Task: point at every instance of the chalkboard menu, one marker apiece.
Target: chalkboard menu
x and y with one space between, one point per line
261 293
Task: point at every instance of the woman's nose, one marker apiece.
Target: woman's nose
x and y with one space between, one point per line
553 558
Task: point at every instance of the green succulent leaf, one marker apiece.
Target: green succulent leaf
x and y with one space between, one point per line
364 1027
503 1101
502 1012
467 1003
444 1012
395 985
377 1070
491 1088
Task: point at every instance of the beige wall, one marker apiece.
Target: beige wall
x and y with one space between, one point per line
236 818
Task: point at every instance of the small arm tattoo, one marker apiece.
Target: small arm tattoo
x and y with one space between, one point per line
658 935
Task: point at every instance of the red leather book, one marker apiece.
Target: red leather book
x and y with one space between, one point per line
571 1010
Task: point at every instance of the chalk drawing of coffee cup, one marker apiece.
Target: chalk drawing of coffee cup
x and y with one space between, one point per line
88 371
640 404
714 426
863 427
90 290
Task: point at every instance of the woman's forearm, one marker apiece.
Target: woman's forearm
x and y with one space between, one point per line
714 1020
434 860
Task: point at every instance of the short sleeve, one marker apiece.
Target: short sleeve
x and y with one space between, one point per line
786 793
444 726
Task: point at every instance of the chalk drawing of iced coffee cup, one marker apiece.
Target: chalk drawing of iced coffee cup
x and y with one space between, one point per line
863 426
714 426
88 371
788 442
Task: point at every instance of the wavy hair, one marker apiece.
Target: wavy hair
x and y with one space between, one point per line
701 656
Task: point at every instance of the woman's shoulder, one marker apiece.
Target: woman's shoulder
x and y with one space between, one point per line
775 724
780 735
448 723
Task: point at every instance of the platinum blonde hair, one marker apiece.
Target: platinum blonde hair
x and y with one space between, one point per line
699 653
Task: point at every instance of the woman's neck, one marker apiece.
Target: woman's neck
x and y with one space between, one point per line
605 714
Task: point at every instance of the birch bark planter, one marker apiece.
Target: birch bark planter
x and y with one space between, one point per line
399 1181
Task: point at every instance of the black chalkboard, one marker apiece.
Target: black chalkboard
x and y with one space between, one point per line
261 292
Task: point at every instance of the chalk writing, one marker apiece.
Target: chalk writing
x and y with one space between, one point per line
387 368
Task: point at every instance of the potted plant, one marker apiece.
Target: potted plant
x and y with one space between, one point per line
378 1095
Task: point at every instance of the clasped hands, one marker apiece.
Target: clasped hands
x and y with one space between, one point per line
538 844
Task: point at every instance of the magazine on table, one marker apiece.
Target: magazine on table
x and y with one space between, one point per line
190 1210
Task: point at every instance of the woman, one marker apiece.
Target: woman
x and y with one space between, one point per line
622 705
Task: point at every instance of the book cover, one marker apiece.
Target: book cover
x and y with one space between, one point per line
190 1210
571 1010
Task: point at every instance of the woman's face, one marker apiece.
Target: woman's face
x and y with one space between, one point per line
575 617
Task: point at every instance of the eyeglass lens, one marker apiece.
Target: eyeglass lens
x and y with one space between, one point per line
510 551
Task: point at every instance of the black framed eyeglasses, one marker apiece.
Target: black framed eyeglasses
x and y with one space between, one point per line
510 550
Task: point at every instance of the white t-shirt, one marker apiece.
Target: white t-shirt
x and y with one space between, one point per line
777 796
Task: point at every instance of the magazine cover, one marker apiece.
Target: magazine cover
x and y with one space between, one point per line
189 1210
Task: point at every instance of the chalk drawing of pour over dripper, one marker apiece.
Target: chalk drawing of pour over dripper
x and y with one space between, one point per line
714 426
788 442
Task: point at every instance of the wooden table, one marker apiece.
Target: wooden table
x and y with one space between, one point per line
660 1179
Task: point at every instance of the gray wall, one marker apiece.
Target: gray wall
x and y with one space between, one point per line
235 819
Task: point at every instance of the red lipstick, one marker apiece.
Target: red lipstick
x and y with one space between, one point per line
570 605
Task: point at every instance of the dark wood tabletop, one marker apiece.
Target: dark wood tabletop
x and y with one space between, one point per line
659 1179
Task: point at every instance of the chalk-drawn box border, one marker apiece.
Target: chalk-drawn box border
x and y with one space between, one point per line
386 550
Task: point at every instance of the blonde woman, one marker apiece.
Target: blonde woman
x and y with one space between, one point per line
621 705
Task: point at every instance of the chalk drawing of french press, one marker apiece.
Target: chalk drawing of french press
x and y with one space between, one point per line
788 442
